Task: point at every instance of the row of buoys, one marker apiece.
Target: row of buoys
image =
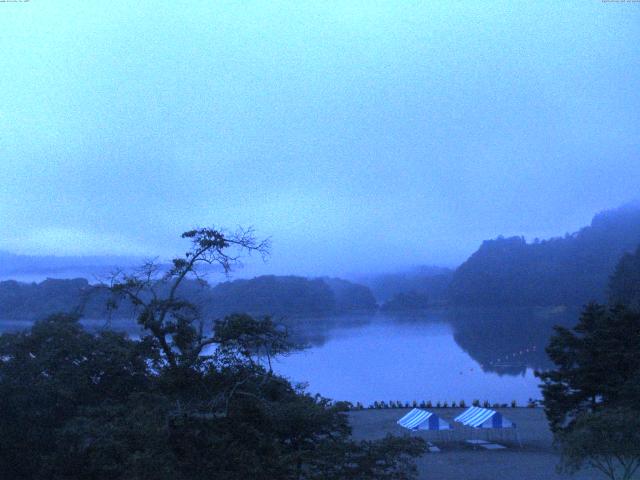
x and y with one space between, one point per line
508 357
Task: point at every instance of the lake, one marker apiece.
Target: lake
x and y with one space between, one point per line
438 355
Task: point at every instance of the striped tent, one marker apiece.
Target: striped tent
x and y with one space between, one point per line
418 419
478 417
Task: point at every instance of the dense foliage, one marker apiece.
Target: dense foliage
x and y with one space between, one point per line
82 406
187 400
607 439
624 286
592 397
597 365
562 271
291 295
30 301
276 295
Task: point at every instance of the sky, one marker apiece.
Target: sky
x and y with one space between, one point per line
358 136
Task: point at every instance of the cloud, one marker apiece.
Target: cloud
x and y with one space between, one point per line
72 241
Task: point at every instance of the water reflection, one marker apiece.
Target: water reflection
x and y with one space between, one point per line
447 354
434 355
508 341
314 332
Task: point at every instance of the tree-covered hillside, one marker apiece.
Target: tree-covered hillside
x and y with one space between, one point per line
32 301
290 295
266 295
624 286
273 295
351 297
571 270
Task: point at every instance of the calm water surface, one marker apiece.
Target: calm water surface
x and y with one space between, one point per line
440 355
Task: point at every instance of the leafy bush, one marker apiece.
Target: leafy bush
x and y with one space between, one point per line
129 413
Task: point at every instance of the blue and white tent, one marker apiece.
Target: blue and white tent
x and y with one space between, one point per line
477 417
418 419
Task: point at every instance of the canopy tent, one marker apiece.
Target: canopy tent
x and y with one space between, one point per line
418 419
477 417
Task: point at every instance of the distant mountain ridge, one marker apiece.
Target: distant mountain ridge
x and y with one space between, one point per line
570 270
265 295
12 264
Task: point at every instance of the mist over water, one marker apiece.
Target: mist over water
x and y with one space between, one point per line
440 355
360 137
383 361
278 206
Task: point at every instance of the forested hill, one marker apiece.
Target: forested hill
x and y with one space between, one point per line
571 270
290 295
624 287
267 295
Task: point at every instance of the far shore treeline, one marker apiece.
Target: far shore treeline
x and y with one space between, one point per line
265 295
505 272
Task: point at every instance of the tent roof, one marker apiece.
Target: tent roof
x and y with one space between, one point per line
475 416
414 418
478 417
418 419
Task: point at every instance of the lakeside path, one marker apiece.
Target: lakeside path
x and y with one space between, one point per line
535 460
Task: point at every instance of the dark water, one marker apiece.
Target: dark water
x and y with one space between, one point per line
440 355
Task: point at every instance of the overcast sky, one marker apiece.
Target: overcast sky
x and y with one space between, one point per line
359 136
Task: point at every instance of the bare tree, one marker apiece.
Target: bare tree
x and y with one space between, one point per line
175 323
